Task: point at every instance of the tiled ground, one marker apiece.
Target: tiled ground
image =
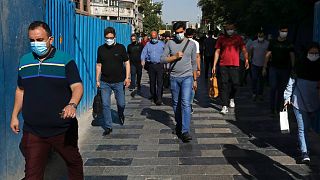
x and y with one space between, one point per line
246 144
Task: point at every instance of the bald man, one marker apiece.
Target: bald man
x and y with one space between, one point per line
151 55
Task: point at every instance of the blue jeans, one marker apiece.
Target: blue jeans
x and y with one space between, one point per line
257 80
118 89
278 79
181 89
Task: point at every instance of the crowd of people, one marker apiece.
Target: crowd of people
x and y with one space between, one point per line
293 80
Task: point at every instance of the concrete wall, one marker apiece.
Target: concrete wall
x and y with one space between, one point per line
15 16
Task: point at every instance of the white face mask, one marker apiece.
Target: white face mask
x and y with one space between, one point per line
283 34
110 42
230 32
180 36
313 57
260 39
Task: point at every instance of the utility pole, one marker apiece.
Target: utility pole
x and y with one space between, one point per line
118 10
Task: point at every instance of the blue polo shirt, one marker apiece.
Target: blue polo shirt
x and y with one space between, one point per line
152 52
47 91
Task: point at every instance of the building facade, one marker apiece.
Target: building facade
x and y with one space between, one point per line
125 11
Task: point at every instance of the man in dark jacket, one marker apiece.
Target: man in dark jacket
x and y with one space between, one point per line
134 52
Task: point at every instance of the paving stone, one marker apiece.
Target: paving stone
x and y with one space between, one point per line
159 147
217 141
155 177
108 162
212 130
203 161
155 161
116 147
106 177
179 153
209 122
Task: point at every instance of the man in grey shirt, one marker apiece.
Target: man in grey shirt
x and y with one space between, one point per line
183 77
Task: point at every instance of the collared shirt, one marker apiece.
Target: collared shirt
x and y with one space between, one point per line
47 91
152 52
230 47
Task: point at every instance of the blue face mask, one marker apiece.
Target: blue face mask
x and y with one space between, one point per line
154 41
110 42
40 48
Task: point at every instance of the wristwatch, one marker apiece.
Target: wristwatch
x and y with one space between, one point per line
74 105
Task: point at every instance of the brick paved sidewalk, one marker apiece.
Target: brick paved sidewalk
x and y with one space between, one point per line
246 144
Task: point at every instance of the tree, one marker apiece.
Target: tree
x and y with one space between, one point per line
151 12
251 15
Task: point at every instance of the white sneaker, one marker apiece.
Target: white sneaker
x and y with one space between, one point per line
224 110
232 104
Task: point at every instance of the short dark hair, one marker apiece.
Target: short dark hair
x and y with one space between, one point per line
133 35
36 24
210 33
179 25
109 30
283 26
189 32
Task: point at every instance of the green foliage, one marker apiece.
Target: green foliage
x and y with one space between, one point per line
151 20
251 15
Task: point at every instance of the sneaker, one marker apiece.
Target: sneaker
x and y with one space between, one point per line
131 89
185 137
158 103
232 104
178 132
191 110
224 110
305 158
121 118
107 132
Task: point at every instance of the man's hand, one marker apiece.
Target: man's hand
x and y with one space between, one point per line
198 73
127 82
98 84
68 112
14 125
143 63
213 70
247 65
264 71
287 102
195 85
179 55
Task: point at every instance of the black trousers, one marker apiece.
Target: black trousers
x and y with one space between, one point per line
230 83
208 63
156 81
136 74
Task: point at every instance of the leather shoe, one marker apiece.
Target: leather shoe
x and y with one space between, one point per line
107 132
185 137
121 118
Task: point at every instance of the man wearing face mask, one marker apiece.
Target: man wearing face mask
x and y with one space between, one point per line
48 92
228 49
151 54
281 55
111 76
257 52
134 52
181 53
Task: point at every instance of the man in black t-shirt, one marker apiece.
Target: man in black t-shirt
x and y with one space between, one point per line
134 52
280 53
111 76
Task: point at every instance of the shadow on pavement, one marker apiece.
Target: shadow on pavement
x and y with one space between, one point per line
258 166
159 116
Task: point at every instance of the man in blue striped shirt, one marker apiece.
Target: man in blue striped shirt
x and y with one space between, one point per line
150 57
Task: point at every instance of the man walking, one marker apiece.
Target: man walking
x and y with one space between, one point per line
182 54
190 35
228 48
111 76
151 55
48 92
134 52
257 53
208 45
282 53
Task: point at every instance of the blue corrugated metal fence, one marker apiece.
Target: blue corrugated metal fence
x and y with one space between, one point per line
316 22
81 36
